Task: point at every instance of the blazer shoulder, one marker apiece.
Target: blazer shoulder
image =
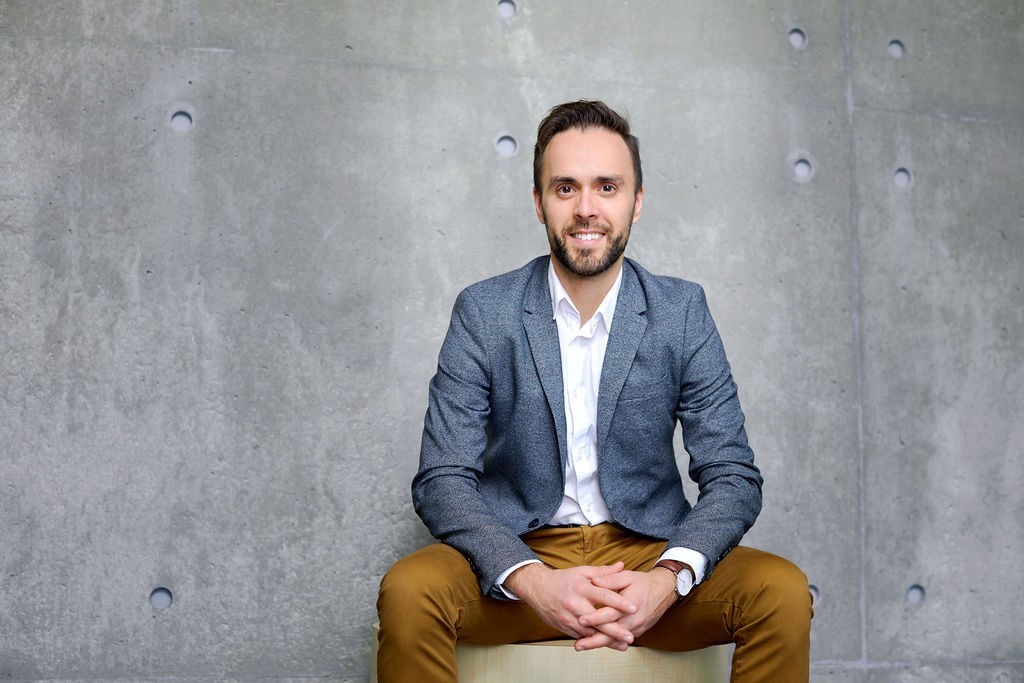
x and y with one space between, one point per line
507 289
666 288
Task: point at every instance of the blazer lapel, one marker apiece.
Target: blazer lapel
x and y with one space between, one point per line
628 326
542 333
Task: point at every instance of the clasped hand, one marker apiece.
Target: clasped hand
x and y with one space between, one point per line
599 606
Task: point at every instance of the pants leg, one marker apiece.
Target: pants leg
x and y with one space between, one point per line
427 601
760 602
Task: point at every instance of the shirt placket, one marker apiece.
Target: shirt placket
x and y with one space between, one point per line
580 400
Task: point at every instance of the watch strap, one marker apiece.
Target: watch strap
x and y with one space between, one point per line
675 566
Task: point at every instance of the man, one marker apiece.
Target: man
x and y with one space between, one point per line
547 467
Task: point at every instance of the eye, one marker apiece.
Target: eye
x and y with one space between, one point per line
608 188
564 189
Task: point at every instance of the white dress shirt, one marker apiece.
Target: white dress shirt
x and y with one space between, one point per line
582 346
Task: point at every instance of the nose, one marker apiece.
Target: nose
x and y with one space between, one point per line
586 207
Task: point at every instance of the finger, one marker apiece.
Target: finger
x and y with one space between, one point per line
569 622
615 582
592 571
609 598
616 631
575 631
599 640
603 615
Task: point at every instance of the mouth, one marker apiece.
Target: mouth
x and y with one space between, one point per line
587 237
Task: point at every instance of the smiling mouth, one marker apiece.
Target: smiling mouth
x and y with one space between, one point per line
587 236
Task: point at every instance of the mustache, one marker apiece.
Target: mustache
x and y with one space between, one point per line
584 224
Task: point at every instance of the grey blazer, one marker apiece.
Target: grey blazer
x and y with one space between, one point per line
493 453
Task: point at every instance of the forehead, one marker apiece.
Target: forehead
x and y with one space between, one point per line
587 154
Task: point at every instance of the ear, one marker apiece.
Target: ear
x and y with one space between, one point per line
538 206
638 206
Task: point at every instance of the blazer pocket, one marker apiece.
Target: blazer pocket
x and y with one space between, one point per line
647 388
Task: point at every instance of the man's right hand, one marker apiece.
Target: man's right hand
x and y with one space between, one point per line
561 596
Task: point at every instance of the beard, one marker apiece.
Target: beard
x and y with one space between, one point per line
589 262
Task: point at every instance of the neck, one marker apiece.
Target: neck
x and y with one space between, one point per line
586 291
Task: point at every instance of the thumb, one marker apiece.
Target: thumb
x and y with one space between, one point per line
592 572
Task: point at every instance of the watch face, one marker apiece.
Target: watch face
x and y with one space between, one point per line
683 583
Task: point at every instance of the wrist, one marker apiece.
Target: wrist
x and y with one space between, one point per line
664 579
520 580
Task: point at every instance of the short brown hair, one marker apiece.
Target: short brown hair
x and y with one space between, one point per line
584 114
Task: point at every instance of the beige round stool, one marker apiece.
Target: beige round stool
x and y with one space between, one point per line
556 660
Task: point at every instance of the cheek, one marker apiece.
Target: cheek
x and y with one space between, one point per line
555 213
627 216
633 213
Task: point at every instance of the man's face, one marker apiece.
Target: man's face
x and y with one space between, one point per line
587 200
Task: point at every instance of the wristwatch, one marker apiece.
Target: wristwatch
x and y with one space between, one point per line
684 579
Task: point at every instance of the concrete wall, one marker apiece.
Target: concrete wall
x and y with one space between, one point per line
215 342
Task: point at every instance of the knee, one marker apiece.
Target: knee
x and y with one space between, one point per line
397 581
402 586
785 590
424 581
788 577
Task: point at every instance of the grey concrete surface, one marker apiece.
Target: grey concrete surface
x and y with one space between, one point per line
215 343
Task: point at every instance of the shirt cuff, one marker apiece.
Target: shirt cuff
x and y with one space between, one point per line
508 572
693 558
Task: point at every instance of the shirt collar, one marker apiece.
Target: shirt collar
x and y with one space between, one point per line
604 312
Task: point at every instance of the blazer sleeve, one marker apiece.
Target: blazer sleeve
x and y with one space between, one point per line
721 461
445 490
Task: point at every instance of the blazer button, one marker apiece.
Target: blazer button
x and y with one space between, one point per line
534 523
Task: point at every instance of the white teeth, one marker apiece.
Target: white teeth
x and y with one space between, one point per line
587 236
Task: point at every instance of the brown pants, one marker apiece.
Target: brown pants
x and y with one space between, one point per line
431 598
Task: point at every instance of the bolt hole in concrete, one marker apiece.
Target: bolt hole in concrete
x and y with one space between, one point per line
798 39
815 595
896 49
506 146
915 595
803 169
506 9
181 121
161 598
901 178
